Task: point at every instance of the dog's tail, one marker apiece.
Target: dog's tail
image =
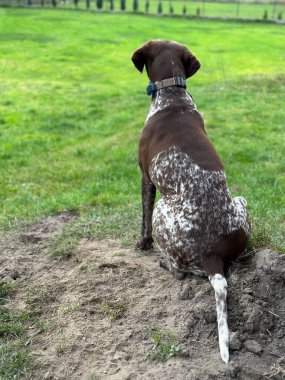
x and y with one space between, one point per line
219 284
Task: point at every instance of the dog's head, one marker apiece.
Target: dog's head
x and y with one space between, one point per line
165 59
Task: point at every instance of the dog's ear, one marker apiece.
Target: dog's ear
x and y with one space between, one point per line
191 64
139 59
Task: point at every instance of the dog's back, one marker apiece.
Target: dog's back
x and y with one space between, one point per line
174 120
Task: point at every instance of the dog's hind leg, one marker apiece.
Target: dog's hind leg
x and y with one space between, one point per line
219 284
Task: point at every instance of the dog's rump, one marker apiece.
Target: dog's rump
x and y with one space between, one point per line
196 208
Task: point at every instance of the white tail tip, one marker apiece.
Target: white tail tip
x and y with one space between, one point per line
219 284
225 354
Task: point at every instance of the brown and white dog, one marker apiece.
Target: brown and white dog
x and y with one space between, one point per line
198 226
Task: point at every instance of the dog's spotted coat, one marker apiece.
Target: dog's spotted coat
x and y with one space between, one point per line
195 209
167 98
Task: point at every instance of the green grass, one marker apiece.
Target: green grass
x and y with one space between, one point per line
165 345
5 290
113 310
14 357
62 246
13 361
72 108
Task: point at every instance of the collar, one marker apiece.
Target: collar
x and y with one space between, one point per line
152 88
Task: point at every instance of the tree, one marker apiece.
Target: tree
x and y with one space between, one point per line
146 6
136 5
87 4
265 15
184 10
198 12
123 5
279 17
99 4
159 9
111 5
76 3
171 9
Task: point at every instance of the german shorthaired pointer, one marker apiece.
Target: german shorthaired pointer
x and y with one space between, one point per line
198 226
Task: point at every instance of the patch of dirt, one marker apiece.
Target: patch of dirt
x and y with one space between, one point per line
93 313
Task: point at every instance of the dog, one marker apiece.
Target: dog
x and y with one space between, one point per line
198 226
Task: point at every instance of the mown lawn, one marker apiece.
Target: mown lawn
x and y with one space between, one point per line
72 107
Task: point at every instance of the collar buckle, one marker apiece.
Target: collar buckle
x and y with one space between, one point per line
152 88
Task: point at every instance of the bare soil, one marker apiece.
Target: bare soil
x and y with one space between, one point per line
92 314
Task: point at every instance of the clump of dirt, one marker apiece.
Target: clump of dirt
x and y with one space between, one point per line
93 314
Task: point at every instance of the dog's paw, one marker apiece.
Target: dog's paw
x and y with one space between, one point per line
145 243
176 273
179 275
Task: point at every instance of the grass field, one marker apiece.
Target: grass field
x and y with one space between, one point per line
72 108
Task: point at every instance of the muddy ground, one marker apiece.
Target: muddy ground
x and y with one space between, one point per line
93 314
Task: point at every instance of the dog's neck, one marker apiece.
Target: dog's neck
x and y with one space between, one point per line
171 97
152 88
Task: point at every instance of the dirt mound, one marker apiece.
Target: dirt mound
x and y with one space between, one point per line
94 315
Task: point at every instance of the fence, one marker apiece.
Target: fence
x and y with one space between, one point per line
195 8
